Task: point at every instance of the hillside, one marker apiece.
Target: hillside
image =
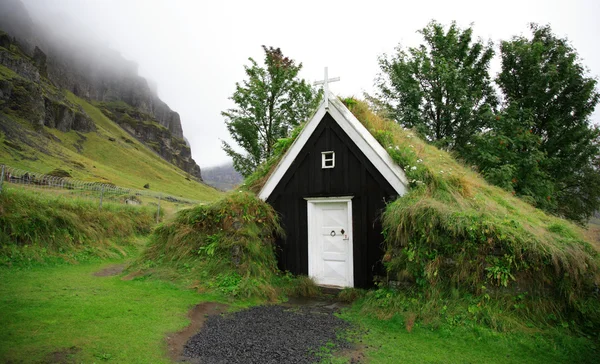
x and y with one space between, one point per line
108 154
83 108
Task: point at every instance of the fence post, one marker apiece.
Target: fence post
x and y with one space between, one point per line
1 178
158 210
101 196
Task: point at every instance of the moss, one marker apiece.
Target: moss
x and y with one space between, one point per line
25 101
137 122
7 73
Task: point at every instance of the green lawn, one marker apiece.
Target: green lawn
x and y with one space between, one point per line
388 341
66 309
46 310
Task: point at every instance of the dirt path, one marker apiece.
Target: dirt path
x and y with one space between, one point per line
197 316
112 270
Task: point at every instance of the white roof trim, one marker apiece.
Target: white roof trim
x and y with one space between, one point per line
357 133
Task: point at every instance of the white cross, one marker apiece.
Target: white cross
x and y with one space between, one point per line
325 84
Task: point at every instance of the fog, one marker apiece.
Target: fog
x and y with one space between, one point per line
193 52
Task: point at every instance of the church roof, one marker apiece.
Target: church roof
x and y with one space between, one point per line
367 144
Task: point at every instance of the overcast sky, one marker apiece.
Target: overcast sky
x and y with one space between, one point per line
195 51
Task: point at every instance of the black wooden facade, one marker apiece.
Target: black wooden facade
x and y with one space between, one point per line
354 175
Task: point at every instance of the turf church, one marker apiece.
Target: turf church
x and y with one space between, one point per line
330 189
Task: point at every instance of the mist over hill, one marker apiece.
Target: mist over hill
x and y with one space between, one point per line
223 177
49 56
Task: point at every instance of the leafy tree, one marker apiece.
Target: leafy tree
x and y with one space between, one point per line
508 155
542 78
442 88
269 104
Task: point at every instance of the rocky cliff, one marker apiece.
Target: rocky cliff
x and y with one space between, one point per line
144 126
26 94
49 61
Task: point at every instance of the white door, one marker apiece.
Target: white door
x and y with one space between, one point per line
330 241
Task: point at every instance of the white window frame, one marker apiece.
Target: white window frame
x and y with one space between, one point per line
325 159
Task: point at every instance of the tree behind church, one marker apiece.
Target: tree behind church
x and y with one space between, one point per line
544 145
270 102
441 88
539 143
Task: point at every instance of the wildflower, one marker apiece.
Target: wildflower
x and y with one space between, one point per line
413 168
419 161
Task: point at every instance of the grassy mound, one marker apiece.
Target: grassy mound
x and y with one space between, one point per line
226 246
38 228
454 231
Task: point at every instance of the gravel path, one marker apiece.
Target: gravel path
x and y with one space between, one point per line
265 334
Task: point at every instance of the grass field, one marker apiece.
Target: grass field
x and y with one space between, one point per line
67 311
168 207
39 228
389 341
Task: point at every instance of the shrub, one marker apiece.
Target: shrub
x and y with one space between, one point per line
227 245
58 172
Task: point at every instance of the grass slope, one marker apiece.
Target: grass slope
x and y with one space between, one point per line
107 155
453 230
40 228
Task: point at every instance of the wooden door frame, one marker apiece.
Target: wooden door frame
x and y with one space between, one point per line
311 203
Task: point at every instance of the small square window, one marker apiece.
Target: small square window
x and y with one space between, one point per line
328 159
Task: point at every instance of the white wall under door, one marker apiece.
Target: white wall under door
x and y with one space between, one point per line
330 241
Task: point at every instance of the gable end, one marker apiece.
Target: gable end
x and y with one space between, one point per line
356 132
